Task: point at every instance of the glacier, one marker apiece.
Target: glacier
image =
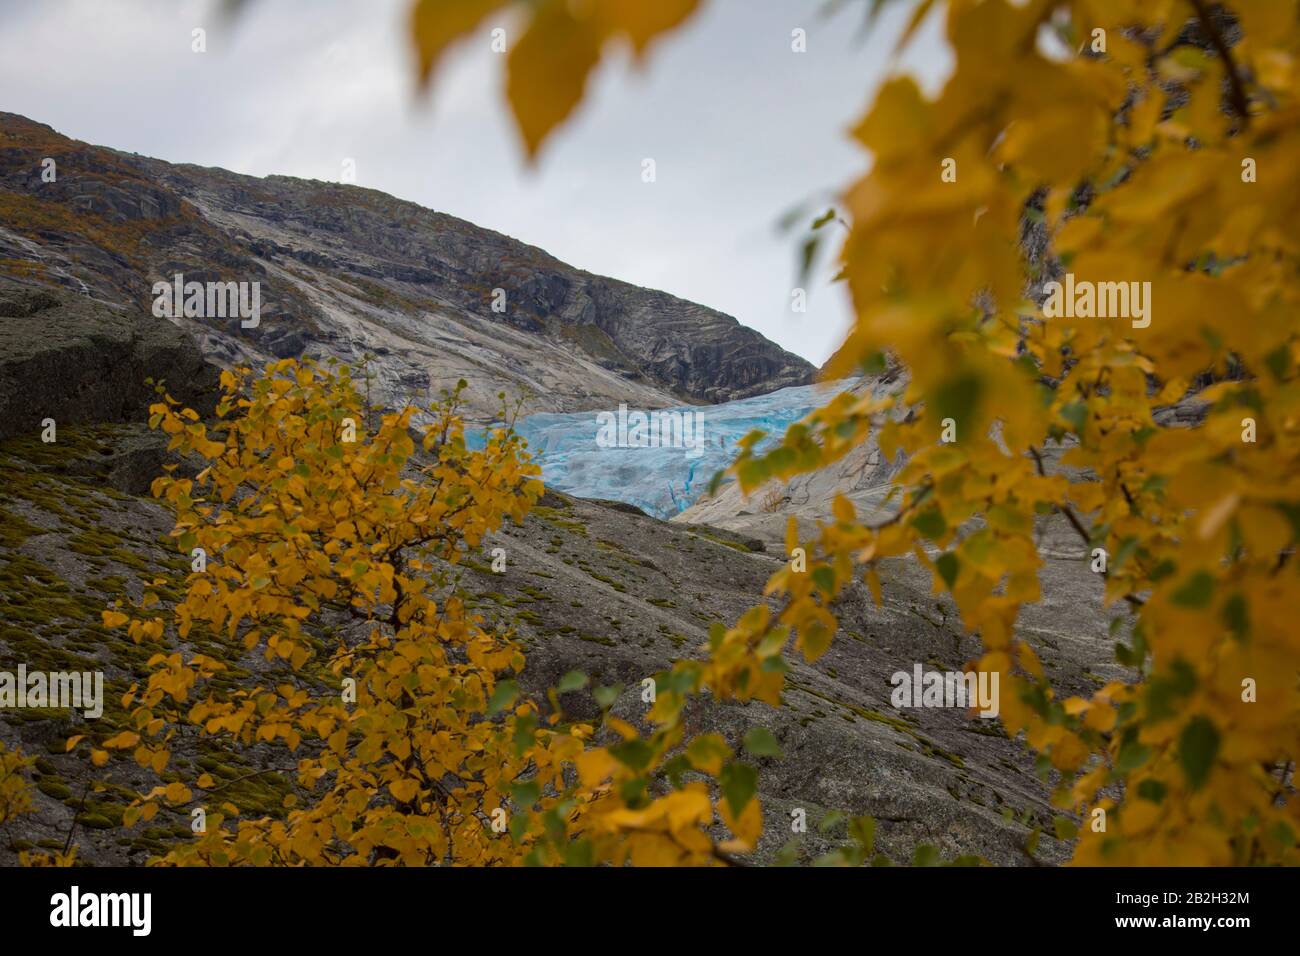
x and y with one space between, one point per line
573 448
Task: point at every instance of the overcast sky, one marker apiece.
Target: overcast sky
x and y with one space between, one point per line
741 128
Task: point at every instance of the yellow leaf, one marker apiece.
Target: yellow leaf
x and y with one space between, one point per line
404 790
746 828
873 581
640 21
548 69
436 24
595 766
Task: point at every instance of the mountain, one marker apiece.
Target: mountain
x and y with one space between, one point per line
349 272
593 585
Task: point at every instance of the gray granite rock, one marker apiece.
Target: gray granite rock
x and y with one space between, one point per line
76 360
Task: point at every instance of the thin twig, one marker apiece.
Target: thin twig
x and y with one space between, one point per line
1236 91
67 844
1134 601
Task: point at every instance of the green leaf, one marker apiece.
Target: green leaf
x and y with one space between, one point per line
1126 549
863 832
1165 692
518 826
605 696
832 819
503 695
926 855
1196 591
574 680
525 733
947 566
957 398
707 750
739 783
752 472
808 253
1197 747
930 523
1283 834
526 794
1236 616
760 742
1131 756
579 853
873 364
1031 842
717 631
633 791
779 458
1152 790
1278 362
635 753
788 855
1162 571
824 579
1076 413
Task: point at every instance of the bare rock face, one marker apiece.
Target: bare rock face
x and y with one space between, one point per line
355 274
66 357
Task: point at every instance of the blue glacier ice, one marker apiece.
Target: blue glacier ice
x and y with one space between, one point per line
661 481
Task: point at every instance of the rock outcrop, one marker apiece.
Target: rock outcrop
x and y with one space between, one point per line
74 360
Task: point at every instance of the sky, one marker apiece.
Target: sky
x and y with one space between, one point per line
741 128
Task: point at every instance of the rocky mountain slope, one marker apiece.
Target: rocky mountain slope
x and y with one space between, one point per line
350 272
589 585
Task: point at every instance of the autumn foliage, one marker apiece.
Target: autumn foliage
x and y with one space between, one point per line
1153 141
1146 142
1156 161
331 552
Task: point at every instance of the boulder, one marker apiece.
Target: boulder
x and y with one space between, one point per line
77 360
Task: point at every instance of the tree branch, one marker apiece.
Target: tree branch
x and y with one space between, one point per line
1236 90
1134 601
